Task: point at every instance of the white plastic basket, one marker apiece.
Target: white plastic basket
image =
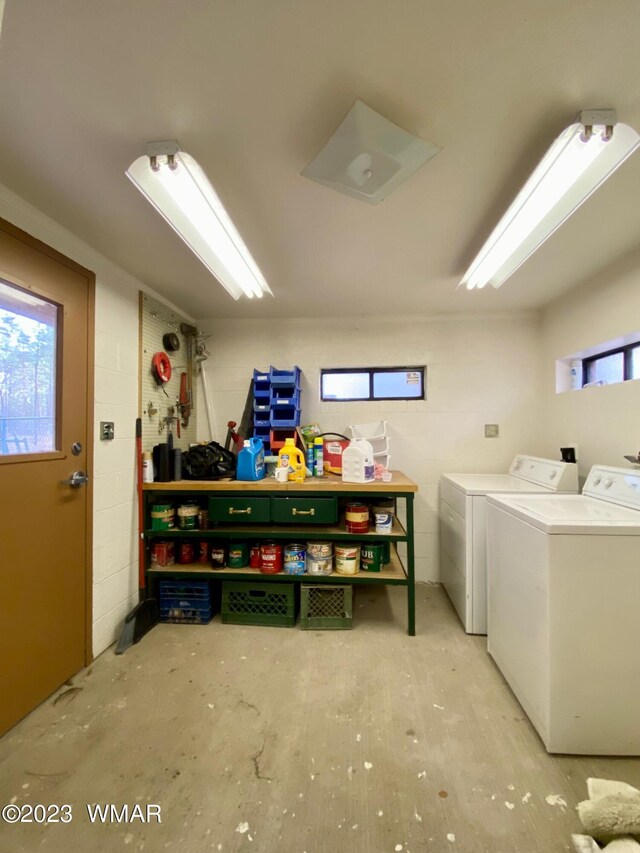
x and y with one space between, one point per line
374 430
382 459
380 446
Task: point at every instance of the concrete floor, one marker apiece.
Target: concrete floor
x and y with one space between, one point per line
285 741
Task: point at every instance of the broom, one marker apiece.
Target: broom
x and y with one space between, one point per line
144 615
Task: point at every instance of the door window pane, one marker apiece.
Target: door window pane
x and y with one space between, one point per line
345 386
28 344
608 369
635 363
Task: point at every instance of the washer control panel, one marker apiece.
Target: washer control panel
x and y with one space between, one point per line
616 485
557 476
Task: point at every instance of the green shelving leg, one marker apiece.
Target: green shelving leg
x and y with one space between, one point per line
411 589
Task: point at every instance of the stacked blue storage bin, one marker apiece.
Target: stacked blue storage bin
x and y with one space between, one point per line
276 401
285 398
261 406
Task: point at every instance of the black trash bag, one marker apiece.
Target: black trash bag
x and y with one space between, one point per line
208 462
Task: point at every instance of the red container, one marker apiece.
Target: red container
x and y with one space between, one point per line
271 559
186 552
254 557
162 554
203 551
357 518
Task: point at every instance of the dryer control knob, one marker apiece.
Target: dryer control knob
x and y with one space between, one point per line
597 481
553 475
608 483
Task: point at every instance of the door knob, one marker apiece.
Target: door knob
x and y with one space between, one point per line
78 478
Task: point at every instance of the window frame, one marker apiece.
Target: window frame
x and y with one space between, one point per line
421 369
627 352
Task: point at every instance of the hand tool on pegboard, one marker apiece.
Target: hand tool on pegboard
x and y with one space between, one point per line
190 332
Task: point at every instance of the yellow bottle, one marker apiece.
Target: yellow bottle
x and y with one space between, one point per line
292 458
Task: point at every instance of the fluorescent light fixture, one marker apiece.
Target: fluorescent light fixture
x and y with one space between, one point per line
580 159
173 182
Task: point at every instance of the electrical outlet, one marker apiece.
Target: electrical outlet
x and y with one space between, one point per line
107 430
491 430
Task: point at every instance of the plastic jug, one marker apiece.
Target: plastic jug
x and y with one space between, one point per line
357 463
251 461
293 459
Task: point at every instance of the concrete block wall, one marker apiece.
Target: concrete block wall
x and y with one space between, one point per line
479 370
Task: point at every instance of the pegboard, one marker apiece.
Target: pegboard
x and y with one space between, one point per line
157 320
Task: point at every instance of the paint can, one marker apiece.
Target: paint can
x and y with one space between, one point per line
238 555
186 552
347 559
294 559
371 556
203 551
163 516
319 549
217 557
271 558
203 519
188 515
254 555
357 517
319 565
162 554
384 523
386 553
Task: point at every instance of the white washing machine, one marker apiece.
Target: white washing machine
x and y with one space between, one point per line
463 566
564 608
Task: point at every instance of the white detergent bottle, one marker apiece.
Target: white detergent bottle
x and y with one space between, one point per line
357 463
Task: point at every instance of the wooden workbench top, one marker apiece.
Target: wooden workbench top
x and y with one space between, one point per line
329 483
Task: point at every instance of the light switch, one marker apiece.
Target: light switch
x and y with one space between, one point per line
107 430
491 430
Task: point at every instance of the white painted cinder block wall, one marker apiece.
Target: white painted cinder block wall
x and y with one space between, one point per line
115 555
479 370
604 421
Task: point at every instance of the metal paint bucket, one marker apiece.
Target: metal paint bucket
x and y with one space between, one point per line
347 559
186 552
319 549
357 517
319 565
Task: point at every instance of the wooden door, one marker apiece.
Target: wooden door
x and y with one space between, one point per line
46 381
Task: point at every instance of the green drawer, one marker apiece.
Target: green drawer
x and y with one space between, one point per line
239 508
304 510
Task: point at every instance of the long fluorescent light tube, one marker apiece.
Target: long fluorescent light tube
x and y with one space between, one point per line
182 194
571 170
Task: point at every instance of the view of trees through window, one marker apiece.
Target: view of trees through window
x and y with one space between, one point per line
27 373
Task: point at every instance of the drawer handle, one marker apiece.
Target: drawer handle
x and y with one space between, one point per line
233 511
311 511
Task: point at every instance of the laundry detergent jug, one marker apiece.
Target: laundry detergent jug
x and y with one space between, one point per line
251 460
292 459
357 463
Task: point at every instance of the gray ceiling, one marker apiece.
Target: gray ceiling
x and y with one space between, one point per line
253 89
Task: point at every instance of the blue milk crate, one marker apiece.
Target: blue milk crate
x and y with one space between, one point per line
185 601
